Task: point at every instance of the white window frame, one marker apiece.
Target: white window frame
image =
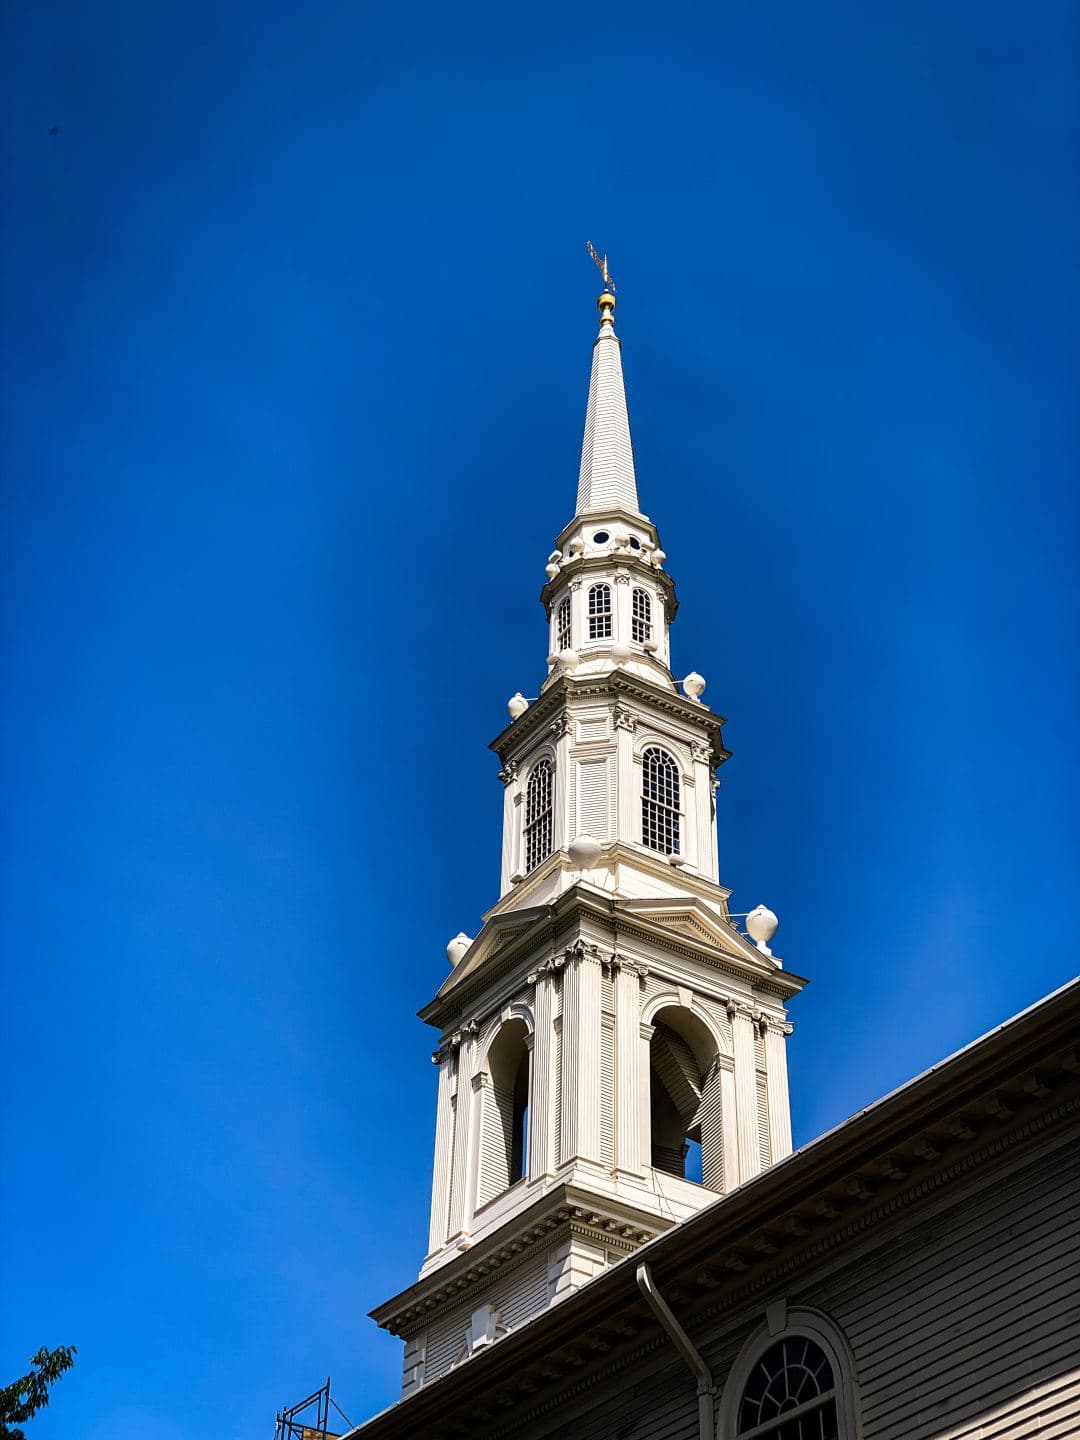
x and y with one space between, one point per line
791 1324
601 621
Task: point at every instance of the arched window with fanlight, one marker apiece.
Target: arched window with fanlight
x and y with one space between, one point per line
564 634
600 612
790 1394
641 617
539 813
660 828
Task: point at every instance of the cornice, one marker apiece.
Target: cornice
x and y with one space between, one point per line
562 1211
574 568
616 684
556 924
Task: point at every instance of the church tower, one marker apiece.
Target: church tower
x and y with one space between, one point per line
612 1048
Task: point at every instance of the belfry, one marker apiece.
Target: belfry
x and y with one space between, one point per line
612 1048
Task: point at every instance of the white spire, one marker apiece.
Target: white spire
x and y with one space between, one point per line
607 480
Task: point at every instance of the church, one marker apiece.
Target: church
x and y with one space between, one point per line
623 1245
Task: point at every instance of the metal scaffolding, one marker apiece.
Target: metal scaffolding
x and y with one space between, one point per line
310 1419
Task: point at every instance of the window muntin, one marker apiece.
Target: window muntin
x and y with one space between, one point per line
791 1394
539 811
600 612
660 819
641 617
564 633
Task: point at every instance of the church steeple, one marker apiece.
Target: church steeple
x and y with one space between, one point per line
606 480
611 1048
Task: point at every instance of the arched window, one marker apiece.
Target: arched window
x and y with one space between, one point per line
600 612
504 1137
684 1099
641 617
539 807
564 635
660 802
791 1394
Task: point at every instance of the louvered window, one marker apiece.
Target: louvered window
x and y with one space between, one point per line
564 633
539 809
685 1101
505 1125
660 802
600 612
641 617
791 1394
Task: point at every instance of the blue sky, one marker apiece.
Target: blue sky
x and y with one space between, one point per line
297 321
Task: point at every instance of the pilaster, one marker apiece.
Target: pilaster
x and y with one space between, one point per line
542 1161
777 1080
444 1143
628 1079
581 1054
464 1130
742 1034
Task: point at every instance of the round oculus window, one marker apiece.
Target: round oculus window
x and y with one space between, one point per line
635 543
601 537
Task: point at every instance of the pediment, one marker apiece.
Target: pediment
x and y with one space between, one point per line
497 932
697 921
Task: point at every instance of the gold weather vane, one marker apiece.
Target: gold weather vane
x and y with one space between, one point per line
601 265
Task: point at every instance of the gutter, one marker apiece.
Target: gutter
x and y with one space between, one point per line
706 1389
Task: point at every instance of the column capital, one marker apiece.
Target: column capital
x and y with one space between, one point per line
549 968
624 720
508 773
581 951
560 726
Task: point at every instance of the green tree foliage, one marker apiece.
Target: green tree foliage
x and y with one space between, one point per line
23 1398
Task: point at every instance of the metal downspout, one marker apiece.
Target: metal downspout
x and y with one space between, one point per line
706 1390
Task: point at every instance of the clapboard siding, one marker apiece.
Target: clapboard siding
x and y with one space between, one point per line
963 1297
964 1324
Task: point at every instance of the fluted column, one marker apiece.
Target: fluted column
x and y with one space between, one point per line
702 802
742 1033
628 800
629 1127
464 1139
729 1128
444 1144
511 816
777 1081
581 1054
542 1098
623 605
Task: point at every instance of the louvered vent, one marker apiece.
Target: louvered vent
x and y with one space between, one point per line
496 1138
607 1094
594 728
593 798
556 1128
763 1130
712 1135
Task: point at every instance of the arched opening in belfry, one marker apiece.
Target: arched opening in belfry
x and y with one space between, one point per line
684 1099
505 1136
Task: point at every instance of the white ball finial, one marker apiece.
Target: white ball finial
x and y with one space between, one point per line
569 660
761 926
620 652
455 951
517 705
693 686
551 570
584 852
